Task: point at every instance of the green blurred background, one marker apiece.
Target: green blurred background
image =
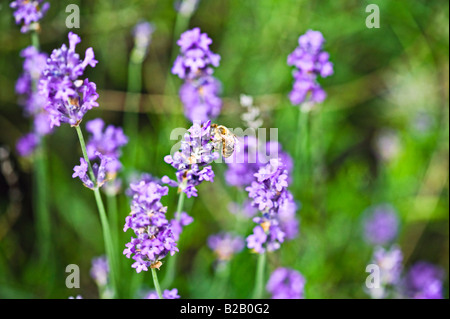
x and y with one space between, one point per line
391 81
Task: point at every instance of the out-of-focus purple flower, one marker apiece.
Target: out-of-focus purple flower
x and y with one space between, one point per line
100 270
381 224
154 238
108 142
186 7
199 93
424 281
200 98
181 220
142 34
243 165
192 160
77 297
225 245
68 97
285 283
311 61
246 209
27 144
30 99
28 13
167 294
270 195
390 263
99 170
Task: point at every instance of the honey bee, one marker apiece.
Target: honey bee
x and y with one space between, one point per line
223 134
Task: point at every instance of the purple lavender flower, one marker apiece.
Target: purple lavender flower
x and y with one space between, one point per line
381 224
154 238
27 144
108 142
424 281
100 270
193 159
28 13
243 165
181 220
68 97
270 195
311 62
31 101
285 283
167 294
199 93
225 245
390 263
99 170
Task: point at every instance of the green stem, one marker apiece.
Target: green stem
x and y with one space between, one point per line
35 40
259 279
156 283
40 192
108 242
113 219
302 150
171 263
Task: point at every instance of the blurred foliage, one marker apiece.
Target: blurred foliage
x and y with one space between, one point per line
391 79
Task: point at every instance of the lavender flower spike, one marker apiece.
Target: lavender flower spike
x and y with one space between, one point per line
99 170
285 283
68 96
28 13
270 195
199 93
107 141
311 61
193 159
154 238
100 270
225 245
380 224
424 281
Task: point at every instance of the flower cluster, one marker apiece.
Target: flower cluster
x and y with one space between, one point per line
390 263
245 164
225 245
285 283
106 141
30 99
154 238
193 159
68 98
100 270
381 224
199 93
270 195
28 13
99 171
167 294
311 61
424 281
